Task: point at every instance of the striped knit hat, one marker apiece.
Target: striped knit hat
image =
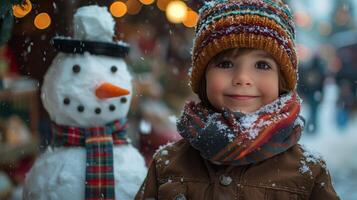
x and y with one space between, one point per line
259 24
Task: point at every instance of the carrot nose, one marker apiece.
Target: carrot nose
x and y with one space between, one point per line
107 90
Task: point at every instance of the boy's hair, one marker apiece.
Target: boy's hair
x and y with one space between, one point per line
202 93
235 24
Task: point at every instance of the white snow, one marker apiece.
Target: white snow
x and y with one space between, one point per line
93 23
213 119
145 127
167 162
304 168
310 157
164 152
248 121
163 149
337 147
173 119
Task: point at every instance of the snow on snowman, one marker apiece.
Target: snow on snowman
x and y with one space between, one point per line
87 92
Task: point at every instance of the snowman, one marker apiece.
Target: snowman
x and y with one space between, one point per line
87 92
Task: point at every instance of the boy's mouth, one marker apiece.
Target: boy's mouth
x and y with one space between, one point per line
241 97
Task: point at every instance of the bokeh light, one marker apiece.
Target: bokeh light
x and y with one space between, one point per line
20 11
303 19
42 21
325 28
176 11
162 4
134 6
147 2
191 19
303 52
118 9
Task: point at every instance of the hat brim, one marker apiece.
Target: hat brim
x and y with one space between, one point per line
74 46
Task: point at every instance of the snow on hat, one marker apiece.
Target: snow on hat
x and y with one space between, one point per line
93 32
259 24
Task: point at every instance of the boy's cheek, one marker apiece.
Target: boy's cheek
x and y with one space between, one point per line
216 82
270 89
215 86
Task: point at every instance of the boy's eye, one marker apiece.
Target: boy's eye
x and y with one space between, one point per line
263 65
225 64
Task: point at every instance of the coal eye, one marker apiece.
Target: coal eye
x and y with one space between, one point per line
76 69
97 111
66 101
123 100
111 107
80 108
114 69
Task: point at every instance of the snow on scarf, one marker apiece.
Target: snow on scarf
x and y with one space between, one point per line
236 138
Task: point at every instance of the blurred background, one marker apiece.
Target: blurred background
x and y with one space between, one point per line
160 33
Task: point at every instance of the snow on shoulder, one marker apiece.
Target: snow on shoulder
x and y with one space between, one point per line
309 159
163 150
162 155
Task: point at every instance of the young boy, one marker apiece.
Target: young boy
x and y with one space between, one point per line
240 141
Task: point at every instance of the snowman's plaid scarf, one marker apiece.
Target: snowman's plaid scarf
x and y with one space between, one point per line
98 142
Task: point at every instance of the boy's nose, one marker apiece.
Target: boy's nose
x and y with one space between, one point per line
241 78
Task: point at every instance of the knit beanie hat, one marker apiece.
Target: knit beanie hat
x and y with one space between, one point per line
259 24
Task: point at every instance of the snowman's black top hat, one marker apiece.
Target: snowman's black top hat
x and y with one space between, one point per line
69 45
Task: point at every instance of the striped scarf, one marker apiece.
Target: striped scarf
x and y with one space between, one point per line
237 138
98 142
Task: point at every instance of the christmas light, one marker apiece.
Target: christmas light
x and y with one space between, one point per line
134 6
118 9
42 21
162 4
147 2
303 52
20 11
191 19
303 19
325 28
176 11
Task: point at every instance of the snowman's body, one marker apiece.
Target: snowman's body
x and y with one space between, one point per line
74 96
60 174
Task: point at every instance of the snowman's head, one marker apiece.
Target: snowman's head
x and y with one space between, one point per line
86 90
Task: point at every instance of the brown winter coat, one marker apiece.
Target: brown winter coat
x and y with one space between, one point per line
178 172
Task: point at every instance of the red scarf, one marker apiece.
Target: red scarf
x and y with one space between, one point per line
98 141
237 138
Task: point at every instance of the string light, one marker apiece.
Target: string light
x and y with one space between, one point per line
162 4
134 6
176 11
303 52
42 21
325 28
191 19
147 2
342 16
20 11
303 19
118 9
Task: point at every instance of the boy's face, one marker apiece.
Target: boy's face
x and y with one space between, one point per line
242 81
